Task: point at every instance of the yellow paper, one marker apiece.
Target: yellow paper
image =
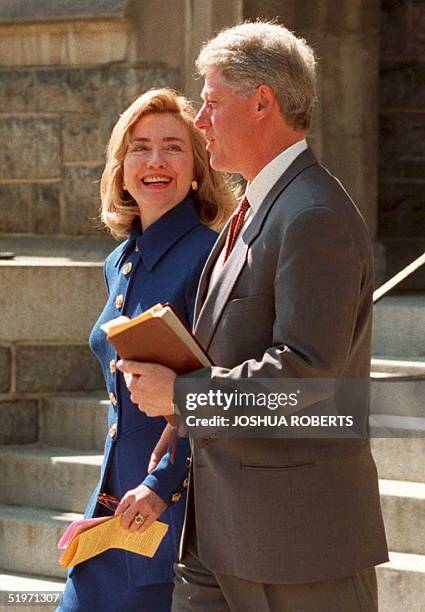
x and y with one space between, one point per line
111 534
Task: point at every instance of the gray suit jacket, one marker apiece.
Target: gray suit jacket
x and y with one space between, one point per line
294 302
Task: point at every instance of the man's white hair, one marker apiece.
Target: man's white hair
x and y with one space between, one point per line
262 53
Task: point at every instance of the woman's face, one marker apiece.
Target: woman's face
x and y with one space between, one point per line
158 165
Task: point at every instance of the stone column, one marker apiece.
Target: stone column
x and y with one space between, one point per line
346 40
204 18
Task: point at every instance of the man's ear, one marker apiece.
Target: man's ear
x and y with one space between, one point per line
265 100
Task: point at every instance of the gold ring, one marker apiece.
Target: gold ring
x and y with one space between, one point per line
139 519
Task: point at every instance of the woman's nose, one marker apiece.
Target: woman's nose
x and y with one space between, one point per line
156 160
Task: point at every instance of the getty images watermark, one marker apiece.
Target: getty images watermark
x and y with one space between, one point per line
216 400
280 408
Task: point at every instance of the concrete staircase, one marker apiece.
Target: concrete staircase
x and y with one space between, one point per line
398 444
46 484
51 404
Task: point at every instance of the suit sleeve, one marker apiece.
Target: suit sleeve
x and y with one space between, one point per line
168 478
317 285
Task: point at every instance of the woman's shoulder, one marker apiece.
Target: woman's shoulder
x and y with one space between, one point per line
205 234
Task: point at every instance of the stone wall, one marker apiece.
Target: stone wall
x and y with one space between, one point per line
54 125
402 120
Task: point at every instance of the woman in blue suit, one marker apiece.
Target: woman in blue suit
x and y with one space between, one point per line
159 191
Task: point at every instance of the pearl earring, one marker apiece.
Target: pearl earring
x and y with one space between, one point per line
195 185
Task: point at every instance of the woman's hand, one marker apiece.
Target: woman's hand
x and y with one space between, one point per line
161 448
143 502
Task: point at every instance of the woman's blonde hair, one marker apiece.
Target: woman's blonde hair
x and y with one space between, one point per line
214 198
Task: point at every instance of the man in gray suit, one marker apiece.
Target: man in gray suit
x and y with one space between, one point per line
275 524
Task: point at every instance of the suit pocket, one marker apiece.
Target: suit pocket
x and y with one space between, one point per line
283 467
244 304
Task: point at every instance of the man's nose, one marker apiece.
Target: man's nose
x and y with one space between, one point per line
202 119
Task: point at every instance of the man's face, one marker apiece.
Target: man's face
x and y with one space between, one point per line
228 122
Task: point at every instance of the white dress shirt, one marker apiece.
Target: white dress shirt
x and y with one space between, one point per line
257 190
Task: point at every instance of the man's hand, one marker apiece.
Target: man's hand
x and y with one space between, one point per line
140 501
151 386
161 448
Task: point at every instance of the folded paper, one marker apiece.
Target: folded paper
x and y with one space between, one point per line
110 534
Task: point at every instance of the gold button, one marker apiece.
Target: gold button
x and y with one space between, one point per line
185 483
112 431
112 366
176 497
113 399
119 301
127 268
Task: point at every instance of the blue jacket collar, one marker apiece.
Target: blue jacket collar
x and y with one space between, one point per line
159 237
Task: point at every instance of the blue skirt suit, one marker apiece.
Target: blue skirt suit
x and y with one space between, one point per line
162 264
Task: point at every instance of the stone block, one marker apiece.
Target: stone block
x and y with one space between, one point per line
19 422
5 369
46 369
68 90
30 208
394 30
348 75
397 166
401 209
401 85
31 147
18 11
58 299
269 9
401 583
55 477
398 324
29 537
17 89
401 143
82 200
401 252
85 137
139 79
417 28
58 415
388 452
352 159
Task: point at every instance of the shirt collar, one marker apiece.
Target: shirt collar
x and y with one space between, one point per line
159 237
259 187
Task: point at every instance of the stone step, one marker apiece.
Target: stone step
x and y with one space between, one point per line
398 386
401 583
400 458
403 507
29 537
399 324
56 286
74 421
48 477
25 583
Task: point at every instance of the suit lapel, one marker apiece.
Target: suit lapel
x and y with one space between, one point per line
208 308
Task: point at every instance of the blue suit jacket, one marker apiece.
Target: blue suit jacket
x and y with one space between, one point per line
162 264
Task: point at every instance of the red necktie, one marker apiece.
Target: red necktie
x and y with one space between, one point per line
235 226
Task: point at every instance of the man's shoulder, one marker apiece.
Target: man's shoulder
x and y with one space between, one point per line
315 188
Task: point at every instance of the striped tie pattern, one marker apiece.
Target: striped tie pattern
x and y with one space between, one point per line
235 226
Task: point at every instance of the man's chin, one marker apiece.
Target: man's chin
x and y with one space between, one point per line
220 165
